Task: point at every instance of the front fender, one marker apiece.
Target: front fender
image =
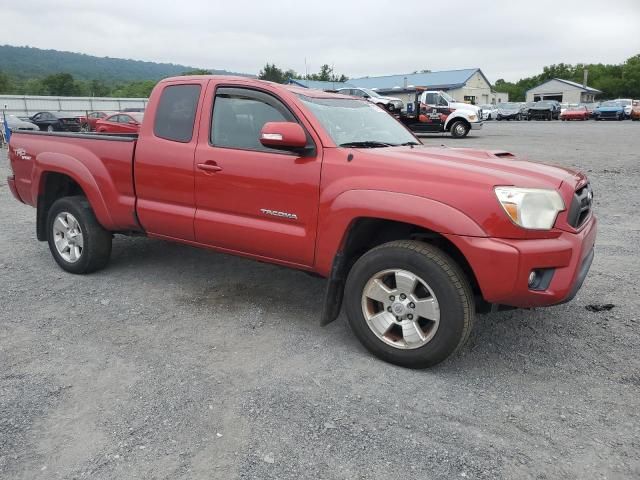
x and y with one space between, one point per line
457 116
337 215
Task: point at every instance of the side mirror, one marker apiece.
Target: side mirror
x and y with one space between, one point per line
283 136
133 122
366 97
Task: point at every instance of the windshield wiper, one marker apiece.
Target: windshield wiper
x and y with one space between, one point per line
367 144
409 144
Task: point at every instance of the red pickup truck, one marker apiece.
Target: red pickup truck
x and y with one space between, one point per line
415 238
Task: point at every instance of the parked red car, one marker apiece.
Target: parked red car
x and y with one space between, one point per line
413 238
88 123
120 123
579 112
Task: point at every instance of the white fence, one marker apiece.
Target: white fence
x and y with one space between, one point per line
27 105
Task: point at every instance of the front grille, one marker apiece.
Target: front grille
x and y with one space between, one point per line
608 114
580 206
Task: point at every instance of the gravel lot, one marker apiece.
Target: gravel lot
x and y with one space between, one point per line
177 363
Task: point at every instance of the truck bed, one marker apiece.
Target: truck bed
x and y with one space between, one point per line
103 162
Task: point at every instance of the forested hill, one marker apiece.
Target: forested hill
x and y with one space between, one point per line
27 62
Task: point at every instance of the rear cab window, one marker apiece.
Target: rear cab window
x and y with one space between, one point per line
176 113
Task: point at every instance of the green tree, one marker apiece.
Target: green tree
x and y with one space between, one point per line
60 84
6 84
272 73
197 71
98 88
326 74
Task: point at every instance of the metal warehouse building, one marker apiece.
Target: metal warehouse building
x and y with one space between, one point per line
562 91
468 85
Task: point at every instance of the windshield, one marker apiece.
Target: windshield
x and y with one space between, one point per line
624 102
350 121
609 104
575 108
447 97
137 116
371 93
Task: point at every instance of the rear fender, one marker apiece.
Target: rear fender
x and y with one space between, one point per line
95 191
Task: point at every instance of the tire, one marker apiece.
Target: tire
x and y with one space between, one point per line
460 129
50 129
550 116
446 284
620 117
85 128
94 242
518 117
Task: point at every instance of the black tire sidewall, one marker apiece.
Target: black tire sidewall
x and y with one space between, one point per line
454 127
96 241
452 312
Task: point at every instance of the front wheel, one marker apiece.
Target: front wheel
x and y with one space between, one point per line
409 303
460 129
50 129
84 128
77 241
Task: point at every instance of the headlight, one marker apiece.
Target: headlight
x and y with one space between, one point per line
472 118
532 208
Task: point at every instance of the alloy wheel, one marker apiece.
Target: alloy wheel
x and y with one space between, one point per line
68 237
400 308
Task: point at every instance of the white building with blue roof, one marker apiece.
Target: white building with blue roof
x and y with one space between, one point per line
466 85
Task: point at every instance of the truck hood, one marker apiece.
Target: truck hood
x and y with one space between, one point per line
480 167
464 106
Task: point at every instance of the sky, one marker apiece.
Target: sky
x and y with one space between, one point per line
506 39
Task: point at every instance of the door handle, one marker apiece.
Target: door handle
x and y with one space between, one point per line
210 167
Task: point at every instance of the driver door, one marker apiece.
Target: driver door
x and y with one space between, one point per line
252 199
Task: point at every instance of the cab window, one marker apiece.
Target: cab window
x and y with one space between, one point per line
239 115
176 113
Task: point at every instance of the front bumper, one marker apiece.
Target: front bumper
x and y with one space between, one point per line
476 125
502 266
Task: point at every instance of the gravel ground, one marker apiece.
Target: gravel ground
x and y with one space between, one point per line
177 363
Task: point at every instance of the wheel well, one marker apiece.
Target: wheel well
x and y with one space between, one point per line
367 233
54 186
458 119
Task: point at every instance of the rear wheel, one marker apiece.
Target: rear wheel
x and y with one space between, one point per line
85 128
409 303
50 128
460 129
77 241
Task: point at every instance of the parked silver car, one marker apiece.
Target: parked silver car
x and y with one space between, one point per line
16 123
392 104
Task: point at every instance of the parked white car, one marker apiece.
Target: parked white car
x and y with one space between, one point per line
627 104
489 112
392 104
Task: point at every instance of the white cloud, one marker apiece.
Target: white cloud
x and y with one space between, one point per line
507 39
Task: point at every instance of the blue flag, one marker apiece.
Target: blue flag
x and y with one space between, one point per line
7 130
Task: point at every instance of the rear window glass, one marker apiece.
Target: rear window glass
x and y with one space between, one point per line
177 112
